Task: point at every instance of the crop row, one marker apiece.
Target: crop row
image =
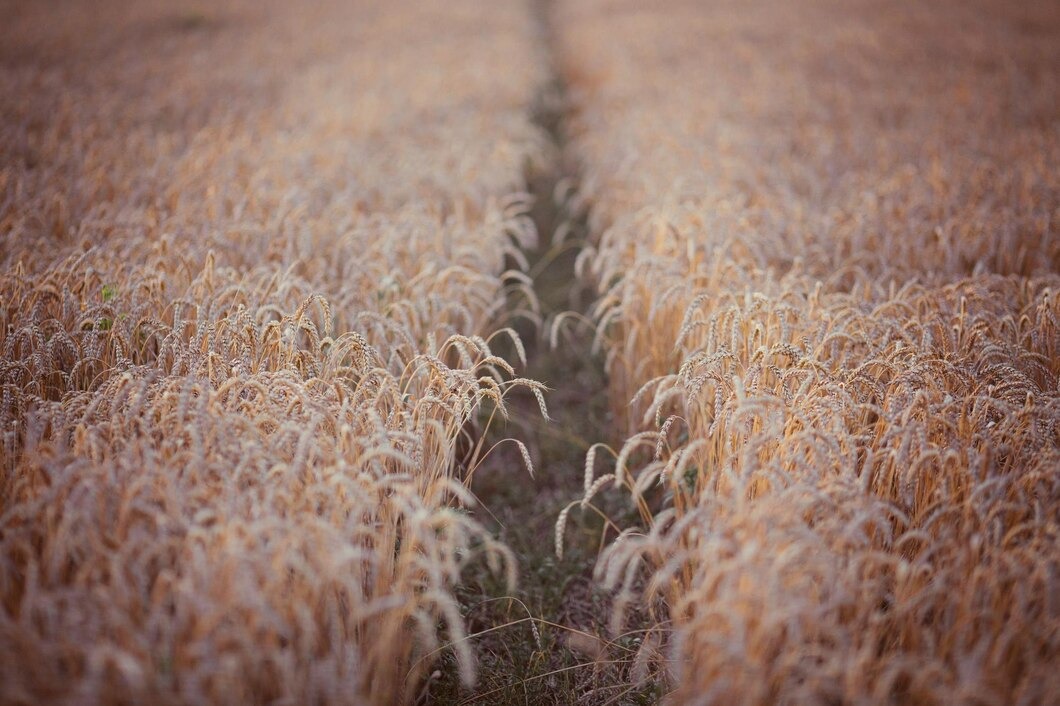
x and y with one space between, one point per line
251 259
830 300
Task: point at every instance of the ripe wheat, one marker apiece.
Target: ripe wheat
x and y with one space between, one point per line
250 258
824 239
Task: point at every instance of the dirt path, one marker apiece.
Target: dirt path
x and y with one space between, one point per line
545 643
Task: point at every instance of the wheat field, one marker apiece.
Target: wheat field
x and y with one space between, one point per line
270 284
829 297
250 286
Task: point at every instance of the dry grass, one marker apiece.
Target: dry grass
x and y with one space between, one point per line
826 244
250 258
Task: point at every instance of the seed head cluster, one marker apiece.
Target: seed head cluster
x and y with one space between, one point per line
830 296
251 259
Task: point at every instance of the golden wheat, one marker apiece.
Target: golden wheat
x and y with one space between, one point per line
829 281
251 254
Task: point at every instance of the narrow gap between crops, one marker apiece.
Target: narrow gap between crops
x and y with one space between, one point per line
546 642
